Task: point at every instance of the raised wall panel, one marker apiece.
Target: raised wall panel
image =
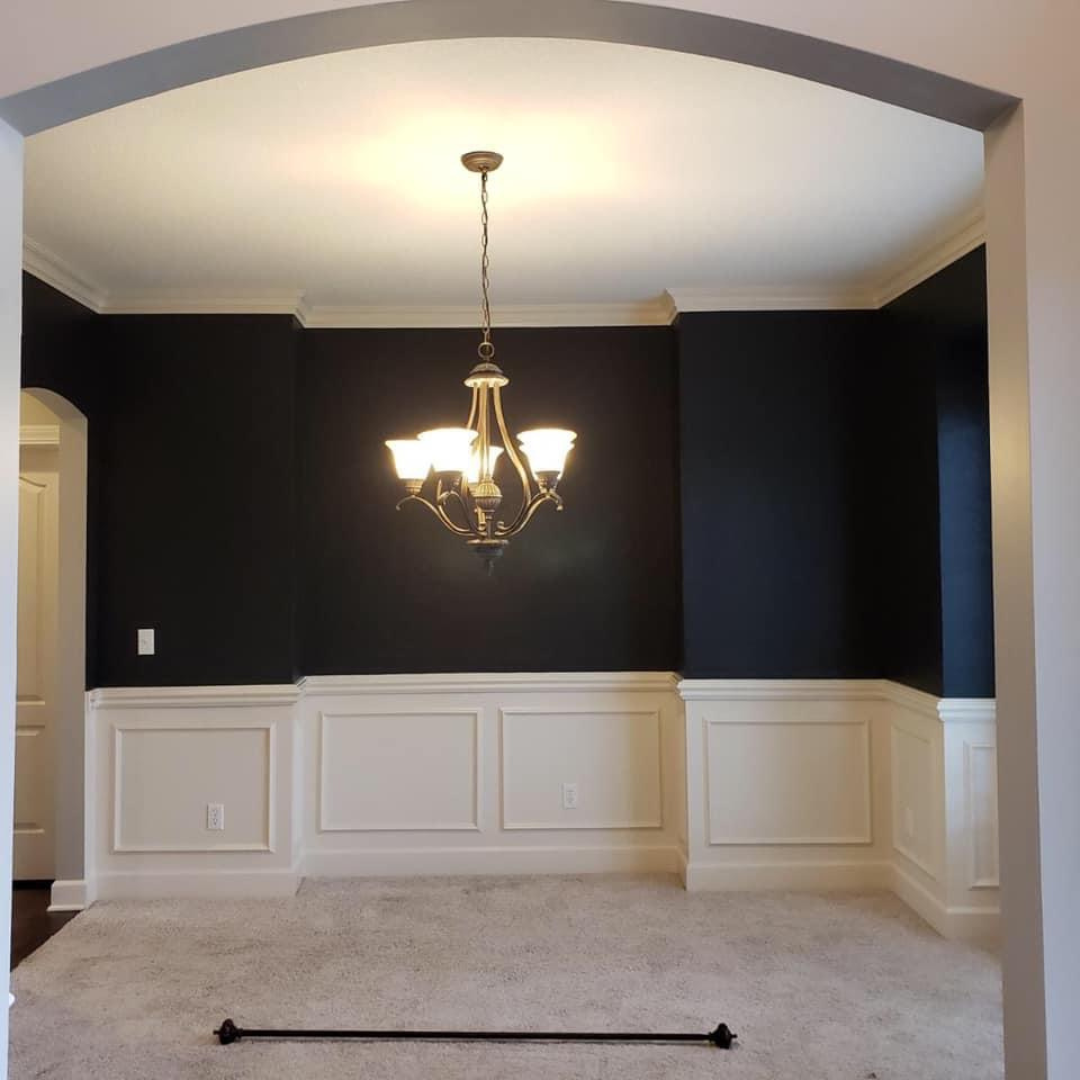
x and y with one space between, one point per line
613 756
166 773
787 772
980 788
393 771
914 801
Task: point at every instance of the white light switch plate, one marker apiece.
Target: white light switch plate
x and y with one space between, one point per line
146 642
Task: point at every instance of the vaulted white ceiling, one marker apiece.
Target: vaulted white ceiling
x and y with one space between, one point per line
335 182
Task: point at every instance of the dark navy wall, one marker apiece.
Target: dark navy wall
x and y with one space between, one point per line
779 505
197 516
937 335
770 494
593 588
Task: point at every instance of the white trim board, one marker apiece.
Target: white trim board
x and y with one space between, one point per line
503 682
68 896
54 270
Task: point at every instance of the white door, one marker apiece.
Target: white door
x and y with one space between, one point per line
35 719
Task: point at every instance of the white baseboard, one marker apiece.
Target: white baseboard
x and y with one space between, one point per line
737 877
214 884
68 896
965 923
410 862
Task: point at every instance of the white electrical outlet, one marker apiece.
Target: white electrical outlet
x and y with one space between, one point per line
215 816
909 823
145 642
569 796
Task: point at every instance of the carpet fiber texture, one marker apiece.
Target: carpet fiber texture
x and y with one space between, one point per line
836 986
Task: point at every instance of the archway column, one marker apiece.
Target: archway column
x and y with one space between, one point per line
11 195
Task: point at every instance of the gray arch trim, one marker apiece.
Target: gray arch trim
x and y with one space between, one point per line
427 20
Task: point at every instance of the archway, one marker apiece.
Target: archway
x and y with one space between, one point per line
51 423
812 58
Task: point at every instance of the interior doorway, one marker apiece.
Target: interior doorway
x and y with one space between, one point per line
49 840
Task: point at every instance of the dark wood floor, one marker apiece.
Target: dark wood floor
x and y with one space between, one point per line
31 923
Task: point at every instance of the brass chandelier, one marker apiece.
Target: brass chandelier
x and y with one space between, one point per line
457 465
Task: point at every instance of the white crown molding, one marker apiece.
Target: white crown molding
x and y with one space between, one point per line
55 271
647 313
49 267
39 435
702 300
954 247
190 302
192 697
508 682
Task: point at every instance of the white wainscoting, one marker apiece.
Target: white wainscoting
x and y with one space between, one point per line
159 756
944 809
786 784
432 774
735 784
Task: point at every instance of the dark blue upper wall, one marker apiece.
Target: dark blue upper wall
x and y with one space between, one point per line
593 588
197 514
833 467
836 491
938 336
778 500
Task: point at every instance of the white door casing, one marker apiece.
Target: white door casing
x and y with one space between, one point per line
36 697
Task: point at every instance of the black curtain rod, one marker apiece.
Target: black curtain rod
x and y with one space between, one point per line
722 1037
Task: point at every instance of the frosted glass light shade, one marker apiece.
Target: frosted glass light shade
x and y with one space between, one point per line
412 458
449 448
546 448
473 474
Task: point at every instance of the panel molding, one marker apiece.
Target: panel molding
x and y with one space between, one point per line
866 836
898 844
119 729
323 824
509 712
974 823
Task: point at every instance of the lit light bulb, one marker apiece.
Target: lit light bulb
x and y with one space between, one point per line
412 458
473 474
449 448
546 449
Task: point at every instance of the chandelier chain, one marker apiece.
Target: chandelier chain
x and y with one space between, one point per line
486 349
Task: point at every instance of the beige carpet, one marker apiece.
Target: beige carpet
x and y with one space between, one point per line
817 986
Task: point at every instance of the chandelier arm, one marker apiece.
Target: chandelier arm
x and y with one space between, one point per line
441 499
453 494
512 454
526 516
439 513
472 409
